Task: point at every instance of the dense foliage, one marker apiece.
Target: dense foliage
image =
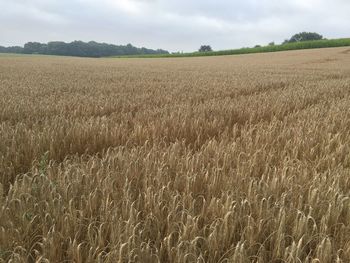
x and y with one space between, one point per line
205 48
304 36
324 43
80 49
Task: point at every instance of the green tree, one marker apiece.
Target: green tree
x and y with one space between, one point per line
35 48
80 49
205 48
304 36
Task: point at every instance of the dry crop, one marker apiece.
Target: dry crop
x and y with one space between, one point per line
211 159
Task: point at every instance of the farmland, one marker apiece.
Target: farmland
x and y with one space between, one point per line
313 44
212 159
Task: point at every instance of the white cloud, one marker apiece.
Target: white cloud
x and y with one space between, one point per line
171 24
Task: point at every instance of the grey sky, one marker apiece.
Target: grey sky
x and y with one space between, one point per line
174 25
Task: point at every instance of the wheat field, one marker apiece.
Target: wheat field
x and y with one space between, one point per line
211 159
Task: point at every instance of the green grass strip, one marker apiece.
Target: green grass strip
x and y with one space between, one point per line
343 42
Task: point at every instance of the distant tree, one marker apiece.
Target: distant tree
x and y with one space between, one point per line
256 46
304 36
271 43
80 49
34 48
3 49
205 48
15 49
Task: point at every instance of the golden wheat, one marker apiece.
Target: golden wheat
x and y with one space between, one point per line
213 159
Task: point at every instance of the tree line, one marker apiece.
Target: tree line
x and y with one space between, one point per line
303 36
299 37
80 49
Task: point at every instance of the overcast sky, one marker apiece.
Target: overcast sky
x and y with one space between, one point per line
175 25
